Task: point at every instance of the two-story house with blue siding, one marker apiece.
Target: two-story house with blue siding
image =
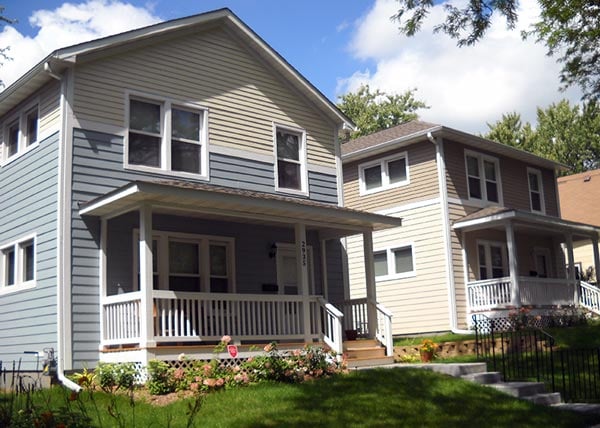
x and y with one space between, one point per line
481 231
167 186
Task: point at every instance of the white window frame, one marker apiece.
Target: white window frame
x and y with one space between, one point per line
166 106
538 174
302 156
18 246
391 262
488 256
204 242
23 143
385 178
482 180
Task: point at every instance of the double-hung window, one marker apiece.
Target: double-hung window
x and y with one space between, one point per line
290 165
17 265
492 259
394 262
20 133
187 262
167 136
536 190
483 177
386 173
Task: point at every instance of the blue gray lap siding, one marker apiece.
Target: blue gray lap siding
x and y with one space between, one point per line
28 205
98 169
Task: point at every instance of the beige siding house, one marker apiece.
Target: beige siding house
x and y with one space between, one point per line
579 195
481 230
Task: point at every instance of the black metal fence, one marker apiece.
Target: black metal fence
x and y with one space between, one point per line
531 355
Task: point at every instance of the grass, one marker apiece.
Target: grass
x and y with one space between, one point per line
372 398
438 338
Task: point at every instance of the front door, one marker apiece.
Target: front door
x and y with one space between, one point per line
287 278
542 262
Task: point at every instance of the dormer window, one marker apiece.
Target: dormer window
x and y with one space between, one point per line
168 137
483 177
382 174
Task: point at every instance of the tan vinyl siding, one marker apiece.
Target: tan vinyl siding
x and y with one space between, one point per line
513 174
243 96
49 108
456 212
583 253
422 174
419 303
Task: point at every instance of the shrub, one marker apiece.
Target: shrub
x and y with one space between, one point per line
159 382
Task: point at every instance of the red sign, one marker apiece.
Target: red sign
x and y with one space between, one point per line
233 351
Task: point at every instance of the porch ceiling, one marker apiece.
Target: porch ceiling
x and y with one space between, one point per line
211 201
496 217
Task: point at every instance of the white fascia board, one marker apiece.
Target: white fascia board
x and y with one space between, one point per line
127 191
484 220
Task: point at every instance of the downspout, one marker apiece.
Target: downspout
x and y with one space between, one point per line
60 242
441 172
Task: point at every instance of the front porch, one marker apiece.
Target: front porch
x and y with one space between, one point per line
513 259
176 276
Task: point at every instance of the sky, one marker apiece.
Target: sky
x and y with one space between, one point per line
336 44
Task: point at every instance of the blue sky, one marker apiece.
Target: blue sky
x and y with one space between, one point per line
335 44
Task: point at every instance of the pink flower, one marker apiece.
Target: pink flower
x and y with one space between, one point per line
226 339
250 359
198 379
194 386
220 381
210 382
179 374
268 348
297 352
207 369
238 377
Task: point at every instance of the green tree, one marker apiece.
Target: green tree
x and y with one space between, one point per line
511 131
570 29
566 133
374 111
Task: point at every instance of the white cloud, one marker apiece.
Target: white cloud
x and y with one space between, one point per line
67 25
465 87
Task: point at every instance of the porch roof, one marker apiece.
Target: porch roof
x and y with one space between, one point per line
496 215
223 202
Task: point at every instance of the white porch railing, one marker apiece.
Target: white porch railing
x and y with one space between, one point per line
384 329
190 317
496 293
121 320
356 317
589 297
488 294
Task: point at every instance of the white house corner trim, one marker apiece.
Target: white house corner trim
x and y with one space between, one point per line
63 232
447 231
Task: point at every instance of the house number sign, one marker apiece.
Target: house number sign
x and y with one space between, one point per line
303 248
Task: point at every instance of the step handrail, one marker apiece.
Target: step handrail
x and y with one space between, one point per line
333 320
385 337
589 296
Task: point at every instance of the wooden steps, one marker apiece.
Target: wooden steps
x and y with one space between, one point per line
364 353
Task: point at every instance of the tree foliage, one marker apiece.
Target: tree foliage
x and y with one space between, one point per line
566 133
570 29
375 111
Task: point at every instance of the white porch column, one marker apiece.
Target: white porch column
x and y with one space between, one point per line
324 281
370 282
302 277
103 285
513 263
596 259
147 304
571 269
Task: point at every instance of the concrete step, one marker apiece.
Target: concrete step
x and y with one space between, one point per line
360 343
453 369
546 399
485 378
520 389
357 363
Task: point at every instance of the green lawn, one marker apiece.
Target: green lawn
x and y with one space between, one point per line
373 398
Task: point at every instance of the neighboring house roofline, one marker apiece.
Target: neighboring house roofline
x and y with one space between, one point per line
376 147
38 75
